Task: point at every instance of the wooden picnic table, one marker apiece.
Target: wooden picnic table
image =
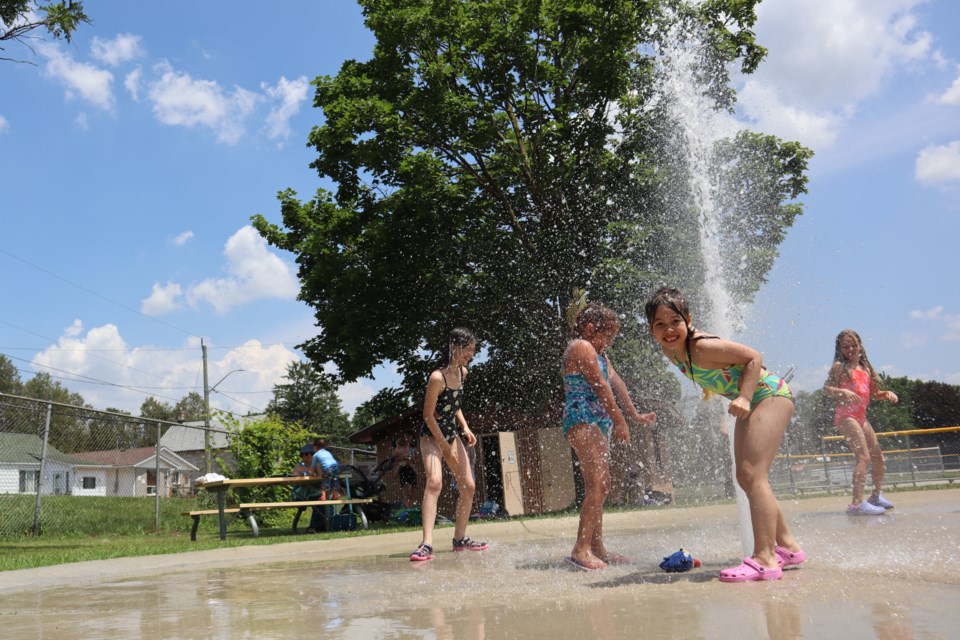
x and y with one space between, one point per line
221 487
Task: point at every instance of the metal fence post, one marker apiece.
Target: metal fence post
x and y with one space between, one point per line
793 484
913 475
823 458
43 460
156 496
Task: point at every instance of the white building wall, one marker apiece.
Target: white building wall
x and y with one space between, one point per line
57 477
99 477
10 478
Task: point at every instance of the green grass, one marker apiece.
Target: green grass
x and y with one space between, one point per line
29 553
76 529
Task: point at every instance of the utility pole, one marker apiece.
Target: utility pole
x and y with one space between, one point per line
208 452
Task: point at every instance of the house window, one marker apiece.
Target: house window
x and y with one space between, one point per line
151 482
89 482
29 481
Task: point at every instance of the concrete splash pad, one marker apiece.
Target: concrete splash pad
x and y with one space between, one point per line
891 576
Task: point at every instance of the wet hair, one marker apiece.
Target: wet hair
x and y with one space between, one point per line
863 361
602 318
460 338
672 299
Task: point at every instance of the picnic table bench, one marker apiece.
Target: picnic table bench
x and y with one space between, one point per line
246 510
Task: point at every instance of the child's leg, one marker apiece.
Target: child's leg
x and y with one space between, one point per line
876 457
433 469
756 441
466 485
593 453
853 433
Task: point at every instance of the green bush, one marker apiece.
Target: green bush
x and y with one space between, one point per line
262 449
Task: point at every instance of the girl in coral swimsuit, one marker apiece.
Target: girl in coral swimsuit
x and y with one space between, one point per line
853 383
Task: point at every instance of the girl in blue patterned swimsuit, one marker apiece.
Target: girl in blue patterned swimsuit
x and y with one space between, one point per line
589 414
762 404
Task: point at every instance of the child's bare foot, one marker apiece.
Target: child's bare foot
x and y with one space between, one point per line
613 558
587 561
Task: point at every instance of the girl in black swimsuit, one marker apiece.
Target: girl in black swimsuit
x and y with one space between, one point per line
445 436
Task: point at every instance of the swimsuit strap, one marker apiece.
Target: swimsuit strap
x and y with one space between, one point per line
447 386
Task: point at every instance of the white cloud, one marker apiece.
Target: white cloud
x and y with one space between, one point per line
180 100
253 273
4 125
132 83
290 95
136 373
123 48
913 340
952 327
769 112
948 323
929 314
163 299
353 394
824 61
183 238
939 164
951 95
809 380
82 120
83 80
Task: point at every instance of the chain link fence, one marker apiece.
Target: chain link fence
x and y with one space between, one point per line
75 470
912 458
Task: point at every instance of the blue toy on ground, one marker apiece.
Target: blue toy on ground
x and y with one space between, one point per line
679 562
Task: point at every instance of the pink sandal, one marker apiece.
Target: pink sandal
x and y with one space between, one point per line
789 558
749 571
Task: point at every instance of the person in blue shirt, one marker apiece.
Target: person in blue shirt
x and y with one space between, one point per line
308 491
326 466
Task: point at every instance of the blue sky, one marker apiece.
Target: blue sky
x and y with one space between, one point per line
132 159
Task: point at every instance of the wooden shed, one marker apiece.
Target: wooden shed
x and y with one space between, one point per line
523 464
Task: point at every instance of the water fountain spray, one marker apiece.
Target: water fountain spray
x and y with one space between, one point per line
699 126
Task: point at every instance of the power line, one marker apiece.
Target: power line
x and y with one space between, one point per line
94 293
114 362
80 378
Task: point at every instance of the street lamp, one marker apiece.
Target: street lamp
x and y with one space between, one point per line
207 445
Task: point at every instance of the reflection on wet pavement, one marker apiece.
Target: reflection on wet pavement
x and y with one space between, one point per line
889 577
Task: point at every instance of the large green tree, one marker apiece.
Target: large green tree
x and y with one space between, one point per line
20 19
309 398
154 409
10 381
190 408
495 161
936 404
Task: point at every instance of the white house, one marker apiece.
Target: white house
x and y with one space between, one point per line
130 472
20 466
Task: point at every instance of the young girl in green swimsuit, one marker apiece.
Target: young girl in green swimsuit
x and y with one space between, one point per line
762 404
